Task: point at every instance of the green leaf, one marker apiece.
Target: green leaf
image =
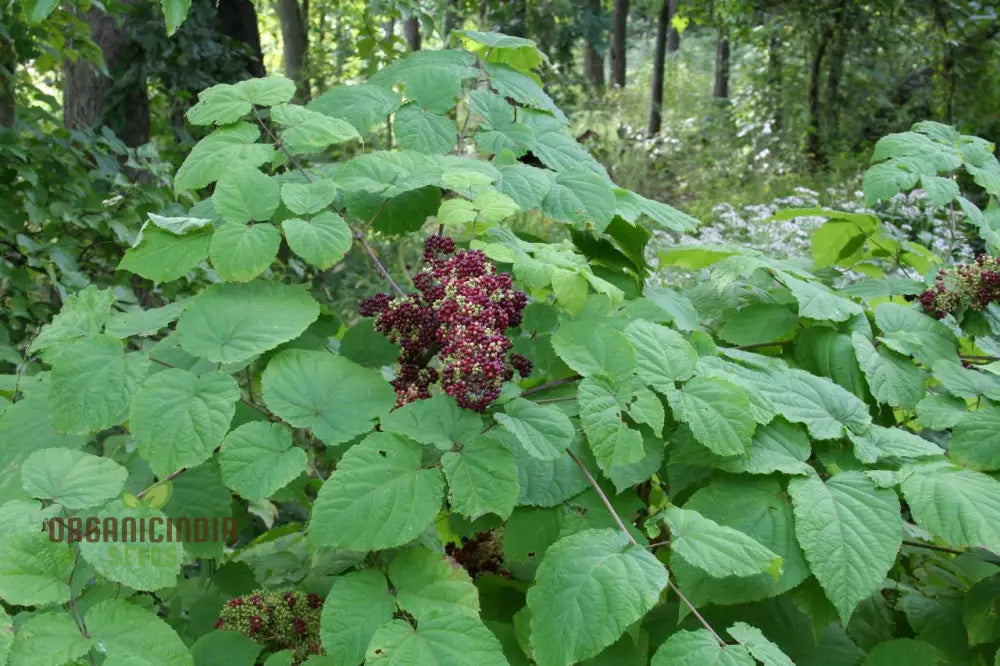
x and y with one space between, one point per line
129 634
99 360
543 431
959 505
611 440
716 549
418 129
877 443
175 11
197 494
34 570
663 356
758 323
48 639
699 648
892 378
134 558
82 315
941 412
39 10
979 611
357 605
225 103
179 418
215 155
427 584
904 651
910 332
883 181
309 131
526 185
364 345
778 446
438 421
380 496
443 640
824 407
590 587
975 442
74 479
548 482
144 322
850 532
162 256
456 213
632 206
940 191
966 383
718 413
482 478
241 252
754 640
361 105
218 648
232 323
322 241
591 348
308 198
335 398
581 198
817 301
523 89
245 194
258 459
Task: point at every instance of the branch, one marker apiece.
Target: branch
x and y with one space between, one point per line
621 525
550 385
360 236
280 144
931 546
72 604
758 345
169 477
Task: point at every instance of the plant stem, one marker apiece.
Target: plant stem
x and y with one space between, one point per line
360 236
555 383
281 146
621 525
72 605
758 345
169 477
931 546
548 400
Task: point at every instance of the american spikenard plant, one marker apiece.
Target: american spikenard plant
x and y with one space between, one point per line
764 469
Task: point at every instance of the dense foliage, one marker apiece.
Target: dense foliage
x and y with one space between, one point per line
788 462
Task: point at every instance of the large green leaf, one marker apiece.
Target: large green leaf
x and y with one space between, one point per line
357 605
428 584
418 129
850 532
241 252
226 103
162 256
199 493
308 198
34 569
758 323
144 322
663 355
232 323
825 407
959 505
582 198
878 442
129 634
82 315
699 648
361 105
97 361
258 459
548 482
179 418
591 348
48 639
443 640
380 496
71 478
718 413
308 131
904 651
323 240
754 640
335 398
892 378
482 478
215 155
438 421
543 431
590 587
143 560
601 407
975 442
966 383
244 194
910 332
716 549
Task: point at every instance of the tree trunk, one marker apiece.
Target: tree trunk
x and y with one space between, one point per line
483 14
389 28
619 21
450 19
673 37
593 60
295 43
8 70
775 85
88 99
659 55
814 142
721 87
411 30
238 20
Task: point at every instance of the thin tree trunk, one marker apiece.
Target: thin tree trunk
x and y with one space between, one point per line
88 99
593 60
450 18
619 22
411 30
814 141
295 43
8 70
238 20
673 37
656 86
483 14
721 88
775 86
833 80
389 28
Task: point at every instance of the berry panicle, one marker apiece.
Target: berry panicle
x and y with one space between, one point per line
972 286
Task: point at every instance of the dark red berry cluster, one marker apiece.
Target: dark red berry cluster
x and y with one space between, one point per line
460 314
482 554
972 286
284 620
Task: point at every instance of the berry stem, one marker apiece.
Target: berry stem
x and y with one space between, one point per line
360 236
